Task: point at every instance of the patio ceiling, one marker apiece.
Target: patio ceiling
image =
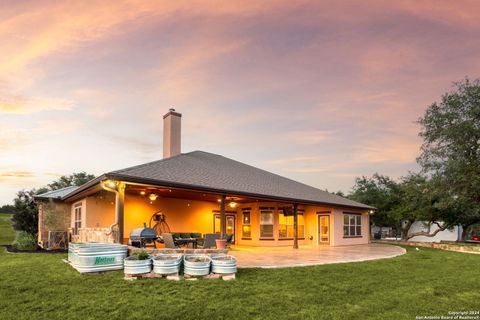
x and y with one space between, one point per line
145 190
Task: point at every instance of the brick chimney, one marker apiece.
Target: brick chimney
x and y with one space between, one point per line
172 121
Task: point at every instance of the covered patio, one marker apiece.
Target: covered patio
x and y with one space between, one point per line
281 257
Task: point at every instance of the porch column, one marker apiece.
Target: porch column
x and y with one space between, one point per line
223 225
295 226
119 210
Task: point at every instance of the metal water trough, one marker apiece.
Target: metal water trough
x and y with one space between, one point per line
196 265
96 257
167 263
224 264
134 266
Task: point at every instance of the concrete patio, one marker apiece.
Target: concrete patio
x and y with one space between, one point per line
278 257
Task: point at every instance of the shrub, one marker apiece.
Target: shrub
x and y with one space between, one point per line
25 241
141 255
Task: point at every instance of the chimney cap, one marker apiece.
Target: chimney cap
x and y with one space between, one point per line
172 112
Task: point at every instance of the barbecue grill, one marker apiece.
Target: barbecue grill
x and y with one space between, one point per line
139 237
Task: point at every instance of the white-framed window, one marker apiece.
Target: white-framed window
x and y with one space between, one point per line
286 228
352 225
246 224
77 222
266 223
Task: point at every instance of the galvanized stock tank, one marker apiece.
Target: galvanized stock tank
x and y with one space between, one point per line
96 256
196 265
135 266
167 263
224 264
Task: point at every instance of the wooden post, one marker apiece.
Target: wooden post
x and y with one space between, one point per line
295 226
119 210
223 224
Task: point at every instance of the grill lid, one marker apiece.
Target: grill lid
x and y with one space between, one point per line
143 233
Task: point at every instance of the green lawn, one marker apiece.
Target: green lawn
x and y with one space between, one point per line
425 282
6 232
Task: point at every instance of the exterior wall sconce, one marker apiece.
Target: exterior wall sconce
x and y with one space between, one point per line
153 196
111 183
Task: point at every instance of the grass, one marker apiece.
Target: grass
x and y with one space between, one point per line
425 282
6 232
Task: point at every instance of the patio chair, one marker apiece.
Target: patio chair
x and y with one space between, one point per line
229 239
169 241
209 241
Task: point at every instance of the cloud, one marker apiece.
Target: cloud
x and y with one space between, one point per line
308 136
17 174
315 89
18 104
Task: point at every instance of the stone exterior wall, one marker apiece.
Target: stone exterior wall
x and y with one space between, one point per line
52 216
154 251
443 246
93 235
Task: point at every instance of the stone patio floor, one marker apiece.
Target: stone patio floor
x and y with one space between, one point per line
278 257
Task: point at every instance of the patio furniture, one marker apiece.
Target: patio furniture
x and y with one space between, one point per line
186 242
229 240
208 241
169 241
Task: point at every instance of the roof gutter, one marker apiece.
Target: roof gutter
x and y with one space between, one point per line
84 187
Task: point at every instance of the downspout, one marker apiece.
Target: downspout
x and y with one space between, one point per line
119 191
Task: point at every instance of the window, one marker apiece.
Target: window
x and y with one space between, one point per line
286 226
77 224
352 225
246 227
266 222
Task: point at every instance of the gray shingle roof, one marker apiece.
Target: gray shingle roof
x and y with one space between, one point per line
56 194
207 171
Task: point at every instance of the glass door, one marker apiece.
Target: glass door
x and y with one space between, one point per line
323 229
230 225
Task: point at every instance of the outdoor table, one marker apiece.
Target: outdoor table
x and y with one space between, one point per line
187 241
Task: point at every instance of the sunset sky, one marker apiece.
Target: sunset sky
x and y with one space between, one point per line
318 91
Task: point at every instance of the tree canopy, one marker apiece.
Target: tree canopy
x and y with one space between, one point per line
447 190
25 210
75 179
450 153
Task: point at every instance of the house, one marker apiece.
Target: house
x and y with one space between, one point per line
453 234
203 192
390 233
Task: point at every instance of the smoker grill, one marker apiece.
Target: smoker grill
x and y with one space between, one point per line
139 237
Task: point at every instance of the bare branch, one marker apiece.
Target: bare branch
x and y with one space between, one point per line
427 233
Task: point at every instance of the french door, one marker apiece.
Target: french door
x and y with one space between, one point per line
229 223
323 229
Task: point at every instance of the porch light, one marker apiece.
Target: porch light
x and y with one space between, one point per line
142 193
232 204
153 196
371 211
111 183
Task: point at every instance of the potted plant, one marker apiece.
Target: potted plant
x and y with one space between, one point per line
138 263
221 243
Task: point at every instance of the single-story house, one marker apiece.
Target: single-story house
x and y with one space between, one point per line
201 192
